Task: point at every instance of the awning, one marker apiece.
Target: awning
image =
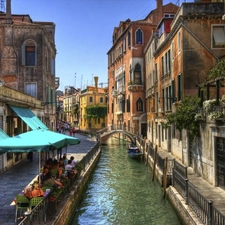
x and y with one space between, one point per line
36 141
3 135
54 139
29 118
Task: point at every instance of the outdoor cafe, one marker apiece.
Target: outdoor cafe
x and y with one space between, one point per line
42 140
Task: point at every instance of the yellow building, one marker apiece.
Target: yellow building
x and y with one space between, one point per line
93 108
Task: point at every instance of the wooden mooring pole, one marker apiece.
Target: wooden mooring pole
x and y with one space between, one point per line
165 177
154 163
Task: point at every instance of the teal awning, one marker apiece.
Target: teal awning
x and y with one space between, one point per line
3 135
36 141
29 118
57 140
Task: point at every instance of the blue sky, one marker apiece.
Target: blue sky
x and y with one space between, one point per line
84 32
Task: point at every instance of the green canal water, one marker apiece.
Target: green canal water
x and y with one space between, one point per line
121 192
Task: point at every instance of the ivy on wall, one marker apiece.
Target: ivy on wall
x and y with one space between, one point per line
217 71
95 111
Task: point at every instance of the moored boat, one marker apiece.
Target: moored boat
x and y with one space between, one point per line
134 152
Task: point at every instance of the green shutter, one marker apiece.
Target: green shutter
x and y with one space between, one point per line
23 55
172 90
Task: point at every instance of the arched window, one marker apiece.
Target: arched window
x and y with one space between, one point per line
137 74
139 37
139 105
29 53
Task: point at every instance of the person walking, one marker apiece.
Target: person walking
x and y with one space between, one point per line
74 131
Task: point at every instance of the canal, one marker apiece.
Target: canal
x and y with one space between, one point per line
121 192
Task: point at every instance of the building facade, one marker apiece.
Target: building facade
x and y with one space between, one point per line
93 108
27 75
180 62
126 70
28 54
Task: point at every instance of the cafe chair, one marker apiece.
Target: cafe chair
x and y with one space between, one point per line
34 202
37 209
22 203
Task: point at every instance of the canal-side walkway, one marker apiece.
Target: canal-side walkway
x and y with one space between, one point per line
16 178
208 191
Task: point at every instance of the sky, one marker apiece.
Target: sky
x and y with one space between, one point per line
83 34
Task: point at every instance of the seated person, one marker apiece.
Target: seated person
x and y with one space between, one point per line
69 169
34 191
73 161
44 175
55 169
49 181
69 166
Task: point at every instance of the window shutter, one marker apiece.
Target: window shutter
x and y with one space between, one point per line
172 90
180 87
23 55
35 58
53 66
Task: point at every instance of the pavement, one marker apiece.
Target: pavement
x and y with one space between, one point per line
14 180
208 191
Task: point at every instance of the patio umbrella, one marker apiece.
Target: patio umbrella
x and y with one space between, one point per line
52 138
23 145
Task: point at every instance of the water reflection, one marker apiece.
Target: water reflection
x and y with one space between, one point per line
121 192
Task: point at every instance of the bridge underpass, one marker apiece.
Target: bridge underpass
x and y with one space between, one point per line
106 135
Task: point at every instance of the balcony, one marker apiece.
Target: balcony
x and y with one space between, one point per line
133 86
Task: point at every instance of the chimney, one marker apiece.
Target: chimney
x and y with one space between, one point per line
159 4
8 12
96 82
159 10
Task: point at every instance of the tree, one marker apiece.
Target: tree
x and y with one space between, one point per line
184 117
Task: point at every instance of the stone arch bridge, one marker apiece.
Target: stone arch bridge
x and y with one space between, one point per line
105 133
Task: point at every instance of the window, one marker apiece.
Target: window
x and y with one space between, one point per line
124 45
90 99
139 105
129 39
218 36
179 83
128 104
172 50
162 62
137 74
139 36
179 42
156 72
31 89
101 100
29 53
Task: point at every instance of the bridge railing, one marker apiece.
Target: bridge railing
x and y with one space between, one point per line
121 127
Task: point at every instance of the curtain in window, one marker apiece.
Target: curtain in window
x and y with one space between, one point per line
31 89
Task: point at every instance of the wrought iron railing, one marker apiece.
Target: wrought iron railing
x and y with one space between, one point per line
202 207
46 209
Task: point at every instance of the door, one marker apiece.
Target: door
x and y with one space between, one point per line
144 129
220 161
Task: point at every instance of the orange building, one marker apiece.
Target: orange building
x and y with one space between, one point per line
126 70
